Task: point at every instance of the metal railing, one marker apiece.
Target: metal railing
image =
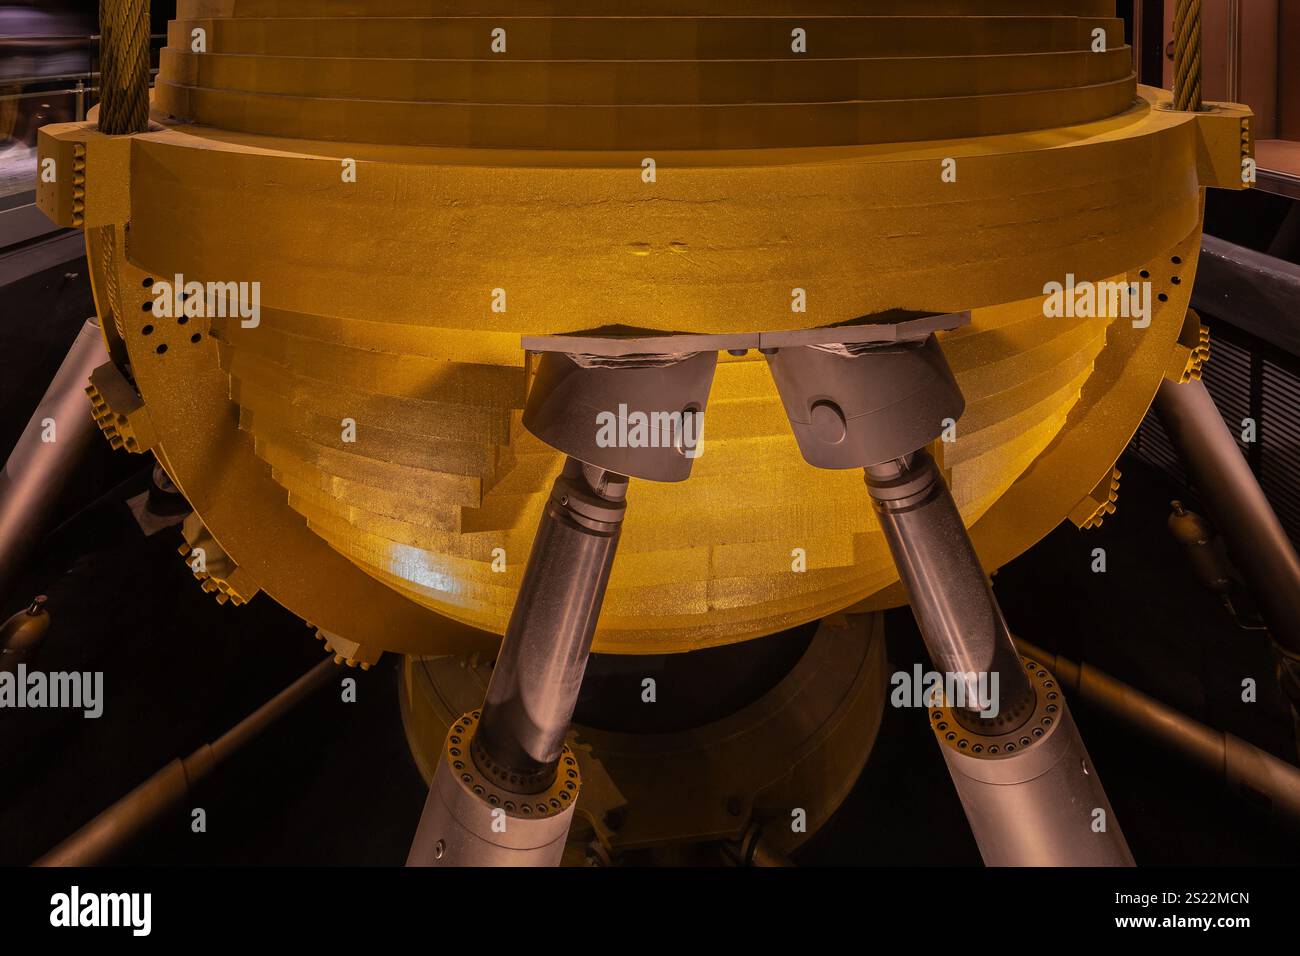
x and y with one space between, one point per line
81 85
80 92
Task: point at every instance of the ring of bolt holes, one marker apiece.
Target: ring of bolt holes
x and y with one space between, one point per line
147 306
555 800
1046 712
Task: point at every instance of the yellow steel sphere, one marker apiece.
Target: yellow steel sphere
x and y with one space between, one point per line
414 185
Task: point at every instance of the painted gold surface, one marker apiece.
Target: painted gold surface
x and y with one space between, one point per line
377 294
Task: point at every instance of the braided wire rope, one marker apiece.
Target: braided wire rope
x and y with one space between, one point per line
124 66
1187 55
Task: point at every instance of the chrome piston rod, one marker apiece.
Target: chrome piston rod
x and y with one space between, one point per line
505 787
1024 777
959 618
504 790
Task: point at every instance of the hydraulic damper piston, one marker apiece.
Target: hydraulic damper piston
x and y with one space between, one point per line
1024 778
506 785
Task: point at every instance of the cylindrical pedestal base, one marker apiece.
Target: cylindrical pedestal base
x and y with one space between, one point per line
472 819
1032 795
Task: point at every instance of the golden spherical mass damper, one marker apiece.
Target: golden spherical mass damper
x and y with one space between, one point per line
414 186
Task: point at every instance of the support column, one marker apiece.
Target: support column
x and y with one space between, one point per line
47 453
498 796
1257 542
505 788
1025 780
